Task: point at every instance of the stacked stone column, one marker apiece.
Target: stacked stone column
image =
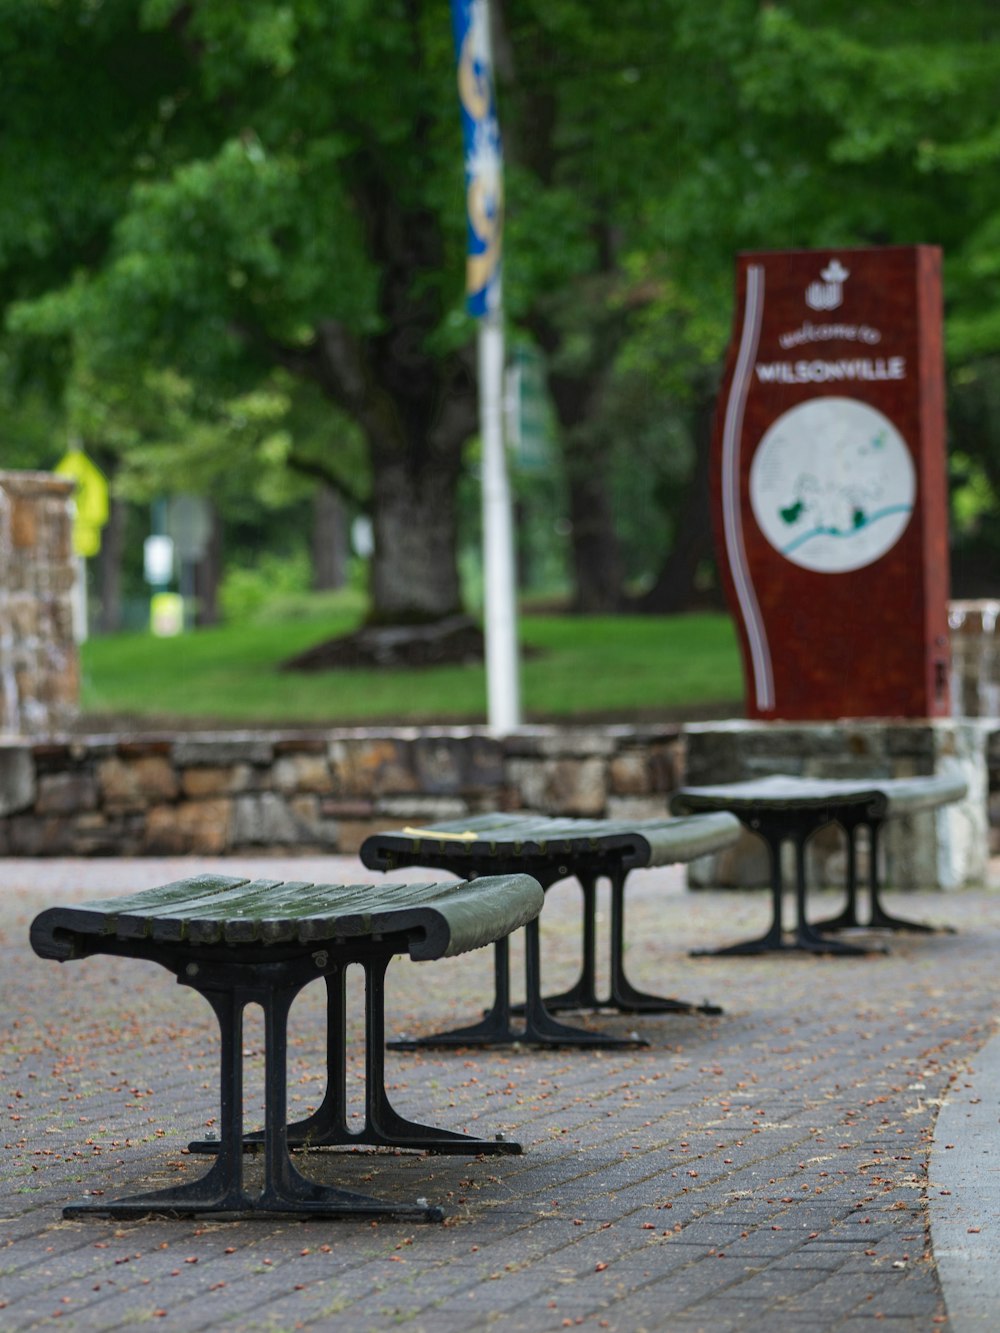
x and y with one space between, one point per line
39 661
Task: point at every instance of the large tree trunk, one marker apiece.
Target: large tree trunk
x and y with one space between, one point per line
597 564
598 567
415 404
416 451
414 574
416 411
675 590
329 540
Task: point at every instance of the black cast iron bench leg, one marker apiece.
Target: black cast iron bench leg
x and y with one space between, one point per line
329 1120
772 940
624 997
221 1191
583 993
383 1123
879 918
775 833
221 1188
494 1029
806 936
539 1025
848 918
540 1028
383 1126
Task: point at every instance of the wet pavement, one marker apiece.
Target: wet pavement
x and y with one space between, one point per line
823 1155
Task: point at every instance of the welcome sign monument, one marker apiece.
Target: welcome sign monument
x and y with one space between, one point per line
829 484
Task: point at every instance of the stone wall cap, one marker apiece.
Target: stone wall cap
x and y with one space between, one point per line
974 615
570 744
77 743
584 741
26 484
533 740
745 726
617 733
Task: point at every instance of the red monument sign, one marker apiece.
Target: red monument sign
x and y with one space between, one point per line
829 483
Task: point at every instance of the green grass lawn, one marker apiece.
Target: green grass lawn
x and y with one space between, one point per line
615 666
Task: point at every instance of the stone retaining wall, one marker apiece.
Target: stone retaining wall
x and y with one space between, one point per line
975 658
297 793
302 793
945 849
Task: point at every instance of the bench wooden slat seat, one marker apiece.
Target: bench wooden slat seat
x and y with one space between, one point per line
551 849
239 941
784 808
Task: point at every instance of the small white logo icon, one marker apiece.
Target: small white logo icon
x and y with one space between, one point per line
829 293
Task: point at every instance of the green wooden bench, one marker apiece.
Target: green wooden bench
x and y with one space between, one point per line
239 942
784 808
550 850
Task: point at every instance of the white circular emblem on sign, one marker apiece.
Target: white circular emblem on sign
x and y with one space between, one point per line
832 485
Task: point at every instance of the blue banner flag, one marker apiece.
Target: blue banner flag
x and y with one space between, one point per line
483 155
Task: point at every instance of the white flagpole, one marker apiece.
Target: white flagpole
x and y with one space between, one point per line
484 205
499 582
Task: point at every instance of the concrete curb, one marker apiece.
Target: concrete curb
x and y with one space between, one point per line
964 1194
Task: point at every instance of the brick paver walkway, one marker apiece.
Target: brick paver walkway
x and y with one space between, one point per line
767 1169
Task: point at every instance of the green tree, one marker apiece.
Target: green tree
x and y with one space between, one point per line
654 141
280 190
213 193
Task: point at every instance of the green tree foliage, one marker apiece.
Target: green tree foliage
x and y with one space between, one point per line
665 137
235 227
272 197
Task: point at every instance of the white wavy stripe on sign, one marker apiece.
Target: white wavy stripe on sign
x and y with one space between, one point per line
732 521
